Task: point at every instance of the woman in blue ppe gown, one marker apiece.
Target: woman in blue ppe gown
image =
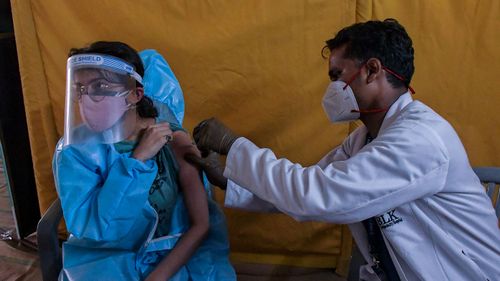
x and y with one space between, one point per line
134 208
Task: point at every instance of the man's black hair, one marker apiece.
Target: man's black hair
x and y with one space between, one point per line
385 40
145 107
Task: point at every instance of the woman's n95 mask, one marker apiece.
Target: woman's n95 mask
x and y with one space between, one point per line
102 115
339 103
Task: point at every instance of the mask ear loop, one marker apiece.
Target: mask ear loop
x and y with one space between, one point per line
368 111
364 111
352 79
401 78
125 95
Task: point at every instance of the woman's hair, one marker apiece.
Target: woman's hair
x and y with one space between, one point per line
145 107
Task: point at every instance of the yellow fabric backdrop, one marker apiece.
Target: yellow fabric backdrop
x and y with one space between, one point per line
256 65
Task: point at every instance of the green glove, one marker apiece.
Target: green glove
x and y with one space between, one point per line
212 135
212 167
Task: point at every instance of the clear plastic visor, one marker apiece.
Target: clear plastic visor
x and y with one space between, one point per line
96 108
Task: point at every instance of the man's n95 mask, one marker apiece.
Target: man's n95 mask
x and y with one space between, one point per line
339 103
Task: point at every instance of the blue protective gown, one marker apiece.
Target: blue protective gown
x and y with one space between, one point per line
104 197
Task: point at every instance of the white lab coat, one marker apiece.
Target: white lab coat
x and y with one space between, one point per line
436 219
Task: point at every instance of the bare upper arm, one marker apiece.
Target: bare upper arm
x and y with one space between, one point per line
182 145
195 196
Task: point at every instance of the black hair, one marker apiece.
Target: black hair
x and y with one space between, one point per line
145 107
385 40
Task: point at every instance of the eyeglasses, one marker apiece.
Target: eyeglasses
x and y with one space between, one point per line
98 89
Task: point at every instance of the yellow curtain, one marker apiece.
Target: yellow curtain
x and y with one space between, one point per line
456 65
256 65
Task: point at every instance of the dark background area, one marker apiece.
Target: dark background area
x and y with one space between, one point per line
14 132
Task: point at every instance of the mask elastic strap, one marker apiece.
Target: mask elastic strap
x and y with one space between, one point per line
401 78
351 79
369 111
362 111
128 105
378 110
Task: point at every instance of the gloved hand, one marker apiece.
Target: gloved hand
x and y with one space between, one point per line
212 167
212 135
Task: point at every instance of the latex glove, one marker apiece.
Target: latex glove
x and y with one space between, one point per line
212 135
212 167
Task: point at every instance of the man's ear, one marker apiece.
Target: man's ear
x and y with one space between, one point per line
373 69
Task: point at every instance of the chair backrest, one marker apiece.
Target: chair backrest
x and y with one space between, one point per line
48 242
490 177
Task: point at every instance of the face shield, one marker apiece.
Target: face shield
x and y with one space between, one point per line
96 108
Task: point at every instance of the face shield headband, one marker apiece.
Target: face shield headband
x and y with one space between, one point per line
103 61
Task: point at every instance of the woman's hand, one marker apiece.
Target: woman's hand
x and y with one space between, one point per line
153 138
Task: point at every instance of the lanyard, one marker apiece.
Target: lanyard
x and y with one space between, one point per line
383 265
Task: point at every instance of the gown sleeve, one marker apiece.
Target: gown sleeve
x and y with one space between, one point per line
102 192
403 164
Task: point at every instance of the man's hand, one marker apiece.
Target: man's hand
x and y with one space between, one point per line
211 166
212 135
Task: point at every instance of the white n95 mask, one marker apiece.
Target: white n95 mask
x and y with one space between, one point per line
339 102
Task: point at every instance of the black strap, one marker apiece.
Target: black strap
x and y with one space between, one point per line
384 267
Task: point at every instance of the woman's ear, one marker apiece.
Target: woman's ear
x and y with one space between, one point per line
136 96
373 69
139 92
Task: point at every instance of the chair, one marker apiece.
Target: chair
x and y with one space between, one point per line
490 176
49 249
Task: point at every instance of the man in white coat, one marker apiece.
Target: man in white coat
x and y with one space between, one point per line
402 181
